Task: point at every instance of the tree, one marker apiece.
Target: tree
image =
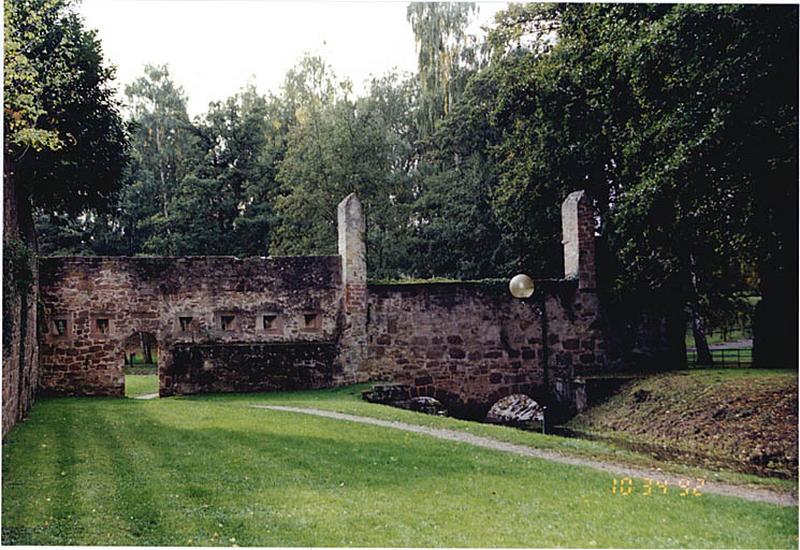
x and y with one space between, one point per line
337 146
64 139
64 147
447 56
244 159
164 149
457 233
664 113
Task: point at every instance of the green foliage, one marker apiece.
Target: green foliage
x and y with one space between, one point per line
202 187
336 146
679 120
663 114
457 233
18 259
22 85
18 277
164 147
64 141
447 56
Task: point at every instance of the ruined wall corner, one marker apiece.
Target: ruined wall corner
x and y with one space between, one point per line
577 226
352 250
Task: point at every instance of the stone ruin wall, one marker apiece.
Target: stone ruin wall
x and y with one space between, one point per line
20 312
468 344
151 295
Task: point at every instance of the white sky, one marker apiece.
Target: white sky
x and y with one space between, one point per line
214 47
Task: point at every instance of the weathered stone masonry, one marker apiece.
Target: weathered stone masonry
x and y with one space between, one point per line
469 344
474 343
228 324
219 323
20 312
196 308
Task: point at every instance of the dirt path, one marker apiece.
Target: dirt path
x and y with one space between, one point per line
747 493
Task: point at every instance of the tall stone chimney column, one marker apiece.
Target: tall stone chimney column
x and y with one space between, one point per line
577 226
353 251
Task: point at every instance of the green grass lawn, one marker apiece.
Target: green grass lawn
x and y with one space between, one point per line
139 358
140 384
348 400
718 337
210 470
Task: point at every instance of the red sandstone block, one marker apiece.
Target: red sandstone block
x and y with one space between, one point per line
571 344
456 353
434 353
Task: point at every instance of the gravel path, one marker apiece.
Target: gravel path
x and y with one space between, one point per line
147 396
747 493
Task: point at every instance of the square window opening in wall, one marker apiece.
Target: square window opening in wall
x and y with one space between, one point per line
185 322
101 325
60 327
227 321
270 322
311 321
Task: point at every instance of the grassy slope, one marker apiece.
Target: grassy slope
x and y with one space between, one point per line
347 400
140 384
211 471
744 415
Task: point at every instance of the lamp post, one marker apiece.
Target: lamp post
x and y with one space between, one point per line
521 286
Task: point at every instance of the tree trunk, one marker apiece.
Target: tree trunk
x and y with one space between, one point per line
698 326
775 326
147 353
776 220
700 342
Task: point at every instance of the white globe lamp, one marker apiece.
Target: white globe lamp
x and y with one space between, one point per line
521 286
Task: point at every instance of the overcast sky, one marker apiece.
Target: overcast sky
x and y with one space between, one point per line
214 47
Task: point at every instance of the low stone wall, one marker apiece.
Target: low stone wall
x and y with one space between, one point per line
204 368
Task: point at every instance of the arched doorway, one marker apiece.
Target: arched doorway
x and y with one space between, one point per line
140 360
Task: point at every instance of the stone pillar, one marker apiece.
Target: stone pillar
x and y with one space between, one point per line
353 251
577 226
